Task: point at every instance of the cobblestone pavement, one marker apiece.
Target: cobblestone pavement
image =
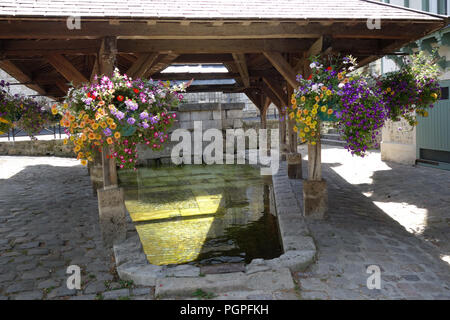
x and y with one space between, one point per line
394 216
49 221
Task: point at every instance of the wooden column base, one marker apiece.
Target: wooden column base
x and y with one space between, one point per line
112 212
294 164
315 199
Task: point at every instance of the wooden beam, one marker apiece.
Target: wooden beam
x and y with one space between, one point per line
203 58
195 76
316 48
283 67
18 74
66 69
276 88
241 65
213 46
272 96
142 65
215 88
29 29
161 63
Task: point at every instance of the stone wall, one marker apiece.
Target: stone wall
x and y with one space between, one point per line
36 148
216 115
399 142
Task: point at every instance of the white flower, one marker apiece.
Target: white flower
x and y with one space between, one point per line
312 65
314 87
340 85
351 68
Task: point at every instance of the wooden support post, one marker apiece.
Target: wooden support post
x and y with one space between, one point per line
111 203
315 193
106 61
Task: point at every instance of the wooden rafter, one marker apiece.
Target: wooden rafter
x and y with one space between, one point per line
17 73
142 65
161 63
283 67
276 88
66 69
241 65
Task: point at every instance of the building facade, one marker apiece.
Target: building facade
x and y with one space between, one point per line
427 144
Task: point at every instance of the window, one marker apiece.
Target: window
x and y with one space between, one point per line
444 93
426 5
442 7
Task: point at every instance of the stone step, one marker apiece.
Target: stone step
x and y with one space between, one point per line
333 131
273 280
331 136
330 142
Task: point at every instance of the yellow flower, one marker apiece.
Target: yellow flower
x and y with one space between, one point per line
83 137
302 134
117 135
323 109
77 148
316 106
295 129
113 126
95 126
109 140
293 101
425 114
4 120
54 110
305 111
66 141
303 99
314 111
434 95
328 92
72 138
83 162
308 119
103 124
98 136
291 115
65 105
110 121
317 98
313 143
306 129
91 136
388 89
330 111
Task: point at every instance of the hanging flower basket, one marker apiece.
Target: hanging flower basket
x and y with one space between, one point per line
118 113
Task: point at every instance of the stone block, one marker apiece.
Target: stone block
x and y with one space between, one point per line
294 163
112 214
184 116
315 199
201 115
234 114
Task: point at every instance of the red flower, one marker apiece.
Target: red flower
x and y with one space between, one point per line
329 69
136 90
120 98
89 94
310 77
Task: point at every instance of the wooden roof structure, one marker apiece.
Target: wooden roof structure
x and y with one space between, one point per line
263 43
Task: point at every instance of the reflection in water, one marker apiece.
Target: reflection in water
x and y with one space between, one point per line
202 214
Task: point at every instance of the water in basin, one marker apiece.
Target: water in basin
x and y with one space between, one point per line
202 214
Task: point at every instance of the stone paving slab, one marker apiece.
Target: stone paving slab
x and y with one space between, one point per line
49 221
358 233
